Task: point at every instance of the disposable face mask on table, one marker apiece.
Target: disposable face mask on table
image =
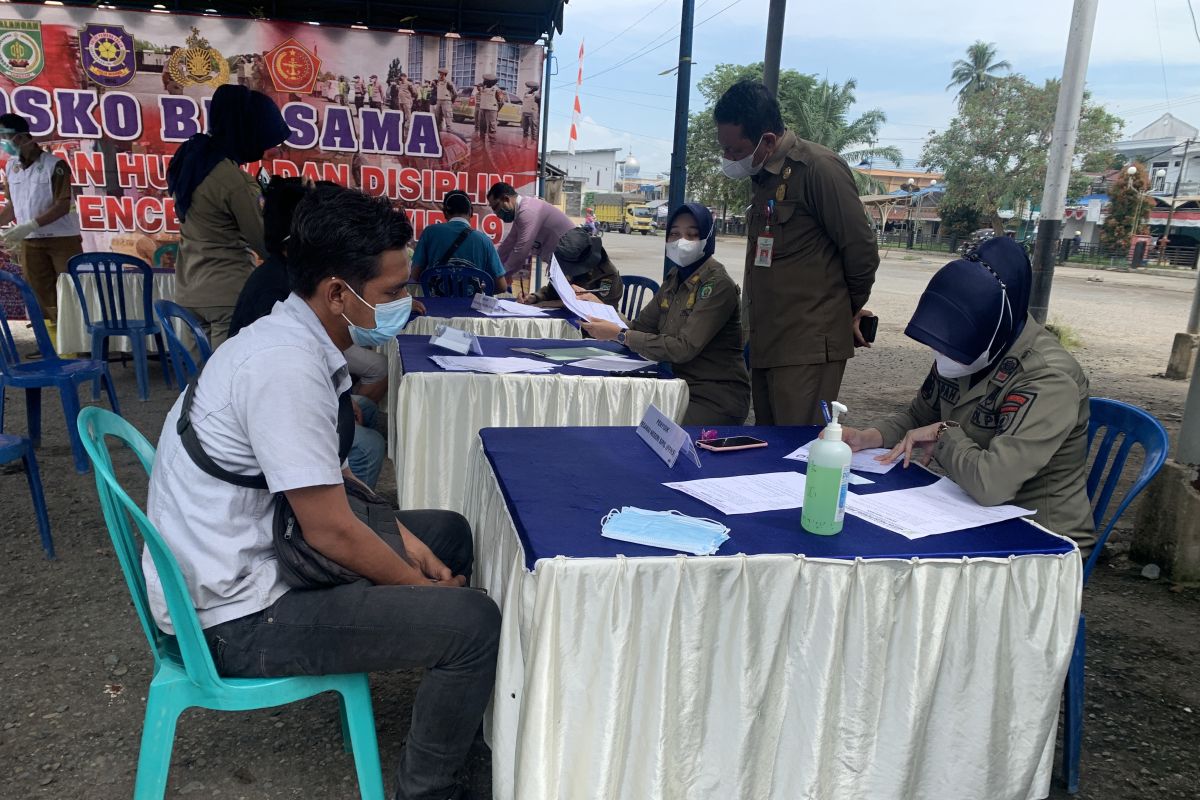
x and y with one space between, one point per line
669 530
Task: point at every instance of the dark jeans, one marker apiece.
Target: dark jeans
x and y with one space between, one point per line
361 627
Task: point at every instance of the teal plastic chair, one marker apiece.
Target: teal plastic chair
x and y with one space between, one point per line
184 673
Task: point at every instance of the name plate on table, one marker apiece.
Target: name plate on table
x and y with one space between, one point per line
455 340
485 303
665 438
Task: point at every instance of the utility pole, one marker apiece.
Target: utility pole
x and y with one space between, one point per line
1171 213
1062 153
774 45
683 91
545 115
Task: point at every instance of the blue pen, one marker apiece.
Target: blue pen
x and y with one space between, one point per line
825 411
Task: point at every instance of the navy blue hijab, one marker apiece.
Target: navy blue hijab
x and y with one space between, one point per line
242 125
975 300
704 222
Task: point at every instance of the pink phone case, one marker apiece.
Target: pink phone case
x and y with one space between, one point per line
707 446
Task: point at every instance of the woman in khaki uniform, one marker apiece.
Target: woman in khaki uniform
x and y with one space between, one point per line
1004 409
694 323
219 206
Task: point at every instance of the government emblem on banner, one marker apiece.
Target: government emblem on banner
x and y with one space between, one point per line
293 67
106 52
21 53
197 63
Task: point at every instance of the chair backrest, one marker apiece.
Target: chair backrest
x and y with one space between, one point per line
108 270
453 280
9 357
171 251
188 644
635 290
181 359
1132 426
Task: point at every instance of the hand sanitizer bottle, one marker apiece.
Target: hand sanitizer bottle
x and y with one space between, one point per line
825 483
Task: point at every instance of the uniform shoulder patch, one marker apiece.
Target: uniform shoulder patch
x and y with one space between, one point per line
1006 369
604 286
927 387
706 290
1013 410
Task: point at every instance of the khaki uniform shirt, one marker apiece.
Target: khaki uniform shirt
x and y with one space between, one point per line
530 101
490 98
225 218
445 91
696 326
604 281
408 93
1023 434
802 307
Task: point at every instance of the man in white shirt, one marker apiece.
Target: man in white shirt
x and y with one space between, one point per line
268 403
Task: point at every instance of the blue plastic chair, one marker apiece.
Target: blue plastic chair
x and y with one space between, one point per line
452 280
13 448
184 673
634 289
50 372
1131 425
109 270
181 360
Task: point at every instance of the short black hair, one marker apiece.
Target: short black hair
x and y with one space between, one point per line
280 199
456 203
340 232
748 103
501 190
14 122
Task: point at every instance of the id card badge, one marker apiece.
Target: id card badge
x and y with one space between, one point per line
764 249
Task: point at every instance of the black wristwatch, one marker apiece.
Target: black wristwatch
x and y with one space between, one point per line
621 337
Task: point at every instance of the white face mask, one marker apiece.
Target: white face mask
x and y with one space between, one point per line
685 252
743 167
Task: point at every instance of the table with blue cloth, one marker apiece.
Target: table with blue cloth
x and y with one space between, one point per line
860 665
457 312
435 415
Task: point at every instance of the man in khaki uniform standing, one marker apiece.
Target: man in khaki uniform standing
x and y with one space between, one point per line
444 95
38 187
406 94
489 99
810 262
531 104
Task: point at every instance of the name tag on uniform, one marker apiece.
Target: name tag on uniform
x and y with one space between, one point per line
762 253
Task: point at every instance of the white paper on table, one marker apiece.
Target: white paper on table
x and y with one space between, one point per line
499 307
863 460
491 364
584 309
613 364
455 340
941 507
858 480
747 494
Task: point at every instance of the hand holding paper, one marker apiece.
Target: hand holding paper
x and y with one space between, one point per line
580 308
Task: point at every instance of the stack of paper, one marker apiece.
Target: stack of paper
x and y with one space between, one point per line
584 309
747 494
862 461
940 507
614 363
491 364
511 308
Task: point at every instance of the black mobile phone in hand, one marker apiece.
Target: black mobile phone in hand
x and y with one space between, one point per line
869 326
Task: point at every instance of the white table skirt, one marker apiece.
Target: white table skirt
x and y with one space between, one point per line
509 327
771 676
72 334
434 418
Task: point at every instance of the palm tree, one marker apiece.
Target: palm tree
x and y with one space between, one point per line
821 117
977 70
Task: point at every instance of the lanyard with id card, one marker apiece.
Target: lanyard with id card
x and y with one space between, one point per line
766 240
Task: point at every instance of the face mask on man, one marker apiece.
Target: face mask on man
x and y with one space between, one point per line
685 252
506 214
390 319
743 167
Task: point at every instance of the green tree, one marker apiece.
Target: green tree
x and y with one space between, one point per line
1127 210
814 110
1102 161
958 221
993 152
977 71
394 71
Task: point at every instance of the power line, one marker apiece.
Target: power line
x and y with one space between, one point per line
1162 59
626 30
1195 29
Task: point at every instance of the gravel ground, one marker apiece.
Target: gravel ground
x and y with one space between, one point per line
77 666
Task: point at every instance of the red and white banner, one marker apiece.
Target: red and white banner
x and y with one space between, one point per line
576 111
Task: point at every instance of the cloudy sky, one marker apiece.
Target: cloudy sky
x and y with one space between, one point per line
1145 59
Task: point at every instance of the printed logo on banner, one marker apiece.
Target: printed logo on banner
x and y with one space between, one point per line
198 63
21 53
293 67
106 52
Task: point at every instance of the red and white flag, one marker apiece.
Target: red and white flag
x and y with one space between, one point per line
576 110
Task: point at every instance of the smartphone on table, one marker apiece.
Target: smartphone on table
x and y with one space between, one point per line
730 443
